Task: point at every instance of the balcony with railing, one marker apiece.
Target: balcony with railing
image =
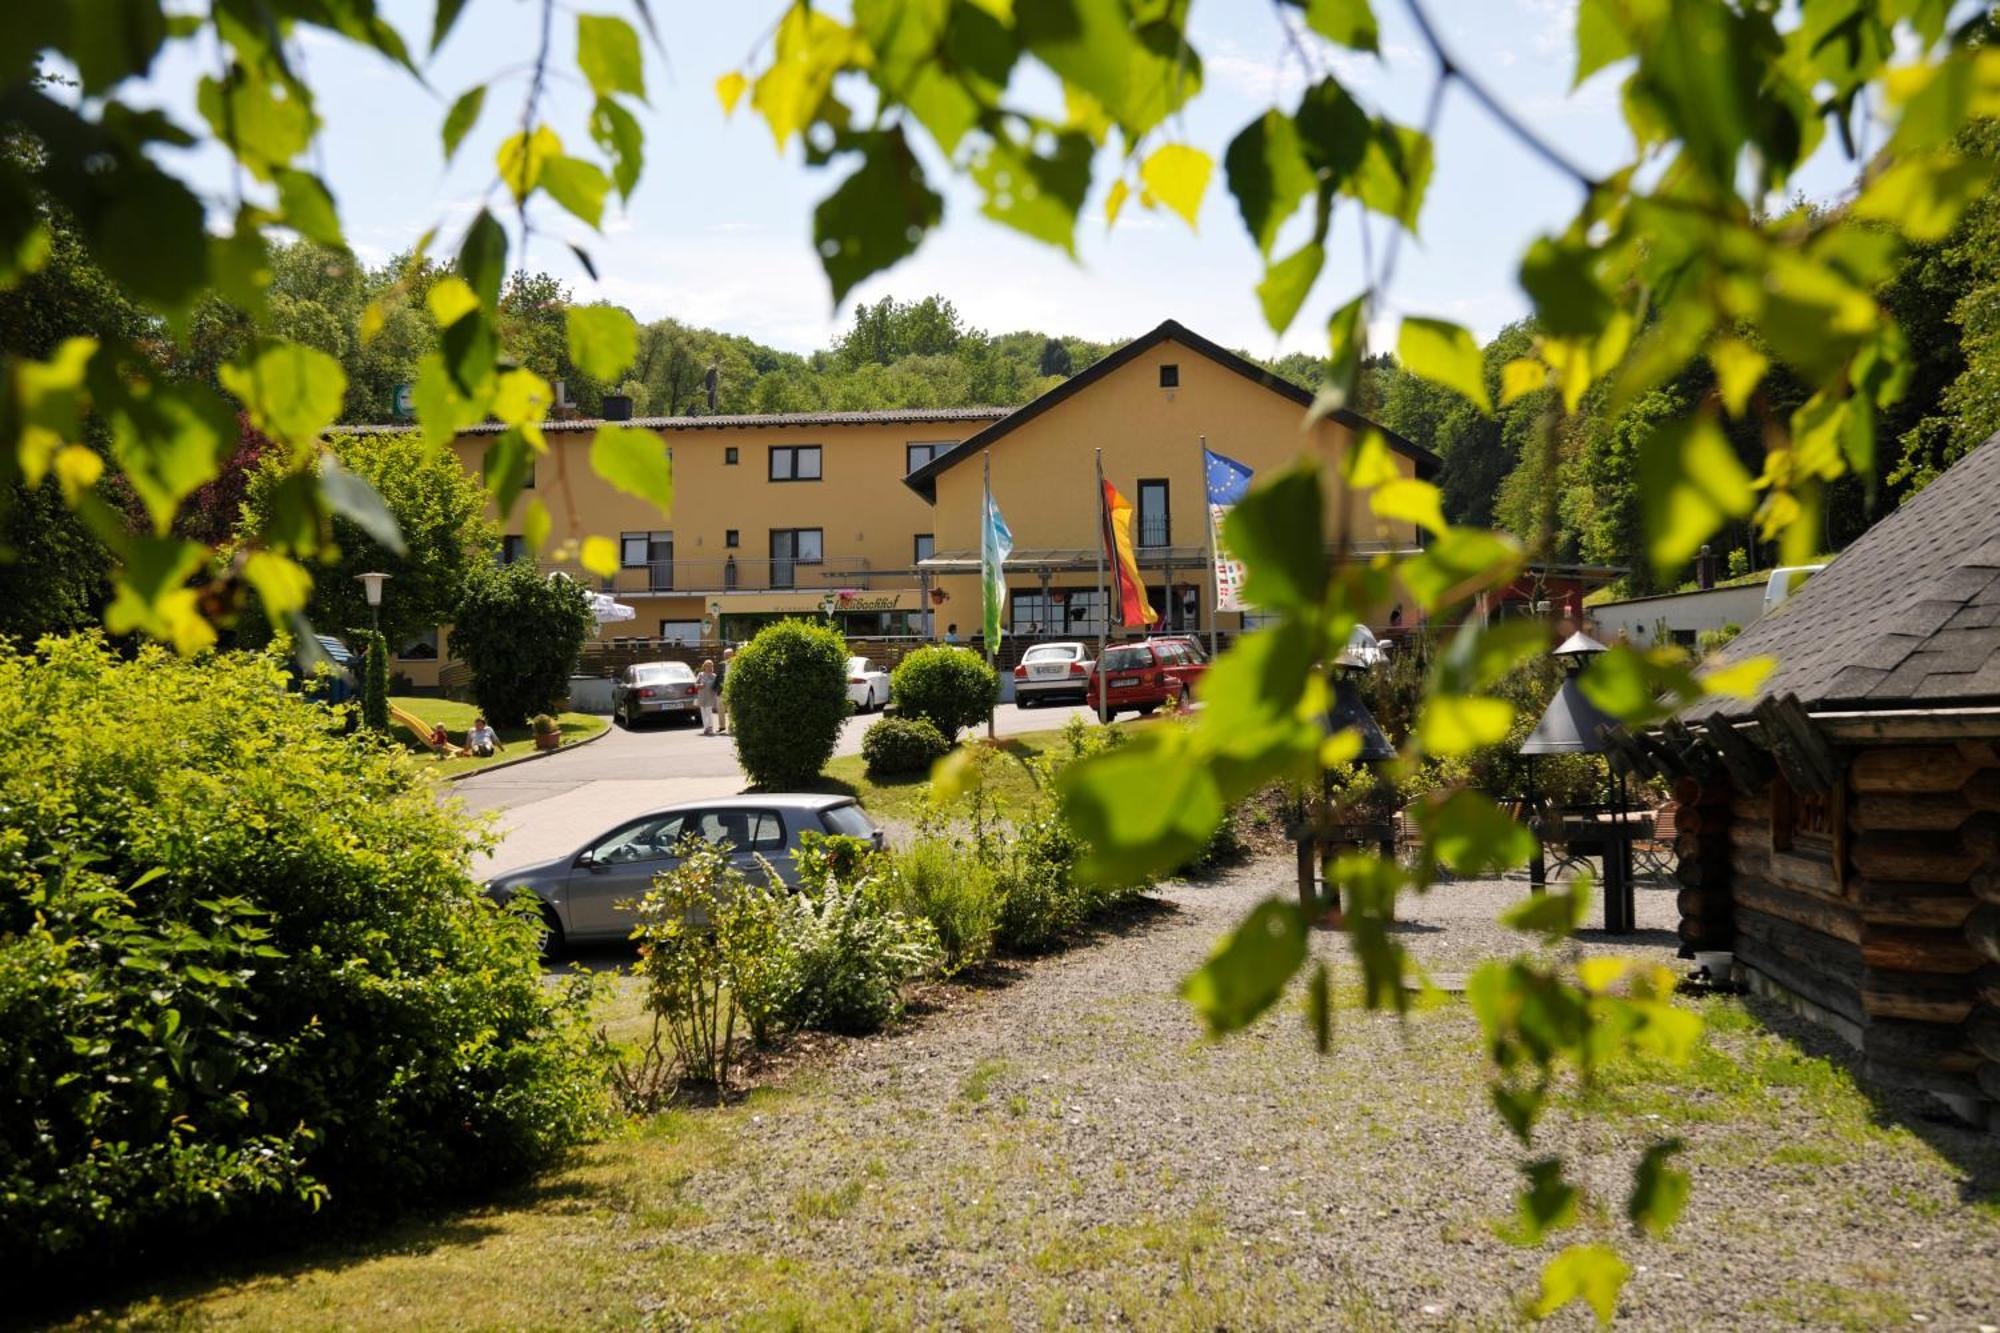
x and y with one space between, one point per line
734 574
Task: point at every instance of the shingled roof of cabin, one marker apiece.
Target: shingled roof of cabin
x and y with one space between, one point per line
1906 617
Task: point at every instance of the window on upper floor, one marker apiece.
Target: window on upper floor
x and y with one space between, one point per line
729 456
794 462
1155 521
926 547
1170 377
730 538
513 547
791 547
916 455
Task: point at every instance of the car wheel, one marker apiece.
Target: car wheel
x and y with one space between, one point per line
1145 710
550 944
1023 701
1105 715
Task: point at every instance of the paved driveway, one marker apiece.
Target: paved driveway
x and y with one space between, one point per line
552 805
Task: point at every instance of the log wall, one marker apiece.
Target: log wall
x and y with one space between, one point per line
1889 930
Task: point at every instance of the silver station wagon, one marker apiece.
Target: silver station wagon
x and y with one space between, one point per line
587 895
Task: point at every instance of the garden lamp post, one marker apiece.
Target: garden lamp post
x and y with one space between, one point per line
1572 724
1346 712
371 588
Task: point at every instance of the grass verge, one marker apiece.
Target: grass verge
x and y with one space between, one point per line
456 718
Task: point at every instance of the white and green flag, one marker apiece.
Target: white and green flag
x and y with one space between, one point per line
996 543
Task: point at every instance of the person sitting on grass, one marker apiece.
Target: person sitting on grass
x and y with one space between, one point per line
481 740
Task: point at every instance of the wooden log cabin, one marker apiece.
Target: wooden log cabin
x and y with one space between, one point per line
1840 832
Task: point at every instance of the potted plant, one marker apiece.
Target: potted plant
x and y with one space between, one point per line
548 734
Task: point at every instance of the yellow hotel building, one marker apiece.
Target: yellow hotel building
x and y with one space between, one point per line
873 517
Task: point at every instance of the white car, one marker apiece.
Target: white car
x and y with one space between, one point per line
867 685
1052 670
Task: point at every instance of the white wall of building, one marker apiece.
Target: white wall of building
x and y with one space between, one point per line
1682 615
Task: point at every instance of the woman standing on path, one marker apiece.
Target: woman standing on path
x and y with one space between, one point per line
704 681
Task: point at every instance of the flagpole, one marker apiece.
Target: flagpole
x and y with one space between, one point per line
986 593
1103 597
1214 574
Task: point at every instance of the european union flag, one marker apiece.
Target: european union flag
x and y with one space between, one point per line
1227 479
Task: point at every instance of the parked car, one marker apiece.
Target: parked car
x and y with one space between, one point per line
654 689
1192 642
1784 582
867 685
588 894
1052 671
1139 677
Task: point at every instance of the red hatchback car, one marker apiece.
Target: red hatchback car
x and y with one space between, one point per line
1139 677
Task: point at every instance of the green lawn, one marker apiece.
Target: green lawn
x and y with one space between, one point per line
456 718
1007 782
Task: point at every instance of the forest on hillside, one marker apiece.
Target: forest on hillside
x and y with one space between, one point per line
1570 485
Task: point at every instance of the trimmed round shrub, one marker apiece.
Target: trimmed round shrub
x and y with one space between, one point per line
521 634
896 746
787 702
245 971
953 688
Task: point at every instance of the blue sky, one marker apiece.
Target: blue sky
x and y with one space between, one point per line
718 231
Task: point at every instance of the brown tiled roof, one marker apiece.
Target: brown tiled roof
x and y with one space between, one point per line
1908 616
924 480
886 417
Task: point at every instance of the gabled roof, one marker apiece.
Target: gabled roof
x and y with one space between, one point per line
1908 616
924 480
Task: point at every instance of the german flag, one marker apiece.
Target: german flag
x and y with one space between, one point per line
1129 590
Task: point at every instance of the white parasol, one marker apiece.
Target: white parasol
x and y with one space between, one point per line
607 608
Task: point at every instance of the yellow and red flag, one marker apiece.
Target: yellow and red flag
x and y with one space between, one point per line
1129 590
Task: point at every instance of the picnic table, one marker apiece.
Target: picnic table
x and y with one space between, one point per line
1607 833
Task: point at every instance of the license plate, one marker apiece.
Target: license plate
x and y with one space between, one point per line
1123 682
1040 672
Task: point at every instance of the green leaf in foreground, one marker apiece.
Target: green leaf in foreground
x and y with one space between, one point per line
607 51
1555 914
1690 480
1658 1191
1593 1273
1473 836
292 392
636 462
1278 531
1444 353
877 215
1547 1205
1145 808
1248 970
460 119
603 339
355 499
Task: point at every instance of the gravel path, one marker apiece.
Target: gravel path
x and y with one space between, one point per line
1068 1149
1065 1150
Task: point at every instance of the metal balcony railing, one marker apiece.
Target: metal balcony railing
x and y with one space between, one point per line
732 574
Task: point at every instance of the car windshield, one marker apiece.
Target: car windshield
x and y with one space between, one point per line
1053 652
859 666
655 672
1125 659
848 820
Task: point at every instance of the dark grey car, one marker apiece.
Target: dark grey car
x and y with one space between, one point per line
581 892
654 689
